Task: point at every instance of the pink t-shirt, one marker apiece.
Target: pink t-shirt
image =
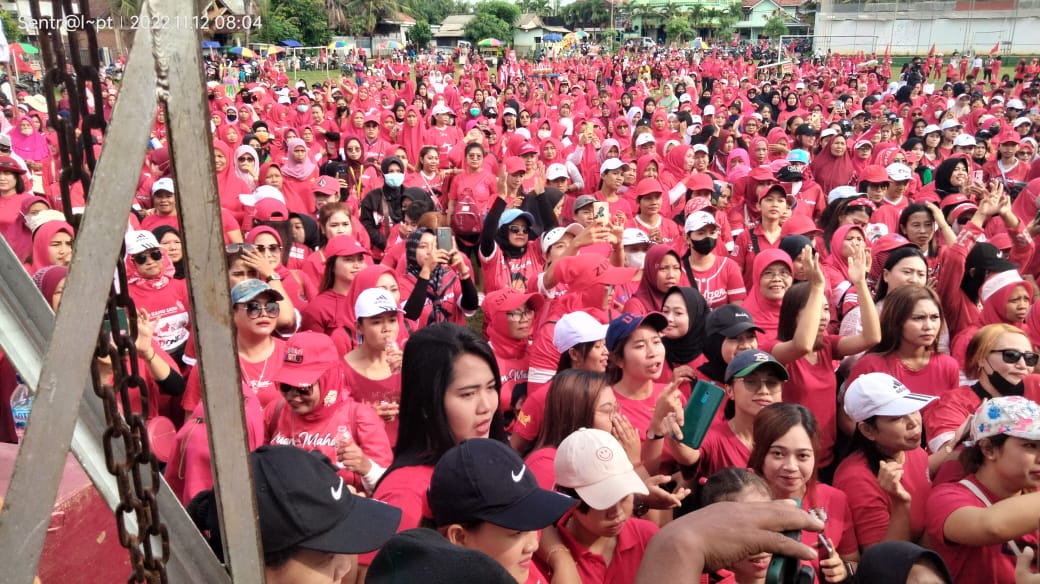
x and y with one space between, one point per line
722 283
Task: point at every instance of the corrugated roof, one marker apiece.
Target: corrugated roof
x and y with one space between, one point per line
454 25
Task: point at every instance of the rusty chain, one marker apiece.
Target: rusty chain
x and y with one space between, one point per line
128 455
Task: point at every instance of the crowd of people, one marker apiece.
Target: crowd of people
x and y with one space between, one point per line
491 300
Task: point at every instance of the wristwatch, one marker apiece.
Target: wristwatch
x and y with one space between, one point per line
274 277
651 436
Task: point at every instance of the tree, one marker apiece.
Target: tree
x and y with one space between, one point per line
586 14
362 16
486 25
541 7
12 28
505 11
678 29
420 35
302 20
776 26
434 11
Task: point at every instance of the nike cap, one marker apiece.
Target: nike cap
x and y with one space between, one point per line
485 480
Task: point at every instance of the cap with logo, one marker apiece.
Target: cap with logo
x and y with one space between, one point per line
584 270
621 327
506 300
485 480
549 238
441 109
634 236
247 290
575 328
964 140
138 241
308 355
556 171
373 302
729 321
594 464
746 362
163 184
326 185
880 394
898 172
798 155
698 220
302 502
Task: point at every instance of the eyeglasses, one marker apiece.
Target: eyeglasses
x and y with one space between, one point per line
779 275
273 248
519 229
1024 154
253 309
239 247
353 149
519 314
755 384
141 258
1011 356
245 158
302 391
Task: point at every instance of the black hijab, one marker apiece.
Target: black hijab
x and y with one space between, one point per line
178 266
691 345
891 561
942 175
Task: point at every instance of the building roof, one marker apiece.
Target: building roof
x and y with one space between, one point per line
403 18
532 21
454 26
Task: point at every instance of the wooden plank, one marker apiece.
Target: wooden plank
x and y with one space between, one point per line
198 205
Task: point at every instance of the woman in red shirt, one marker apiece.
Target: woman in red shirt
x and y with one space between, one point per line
786 450
373 368
662 270
509 317
316 413
885 476
980 525
152 287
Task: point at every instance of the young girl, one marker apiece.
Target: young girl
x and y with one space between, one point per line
329 309
661 271
741 486
786 446
372 370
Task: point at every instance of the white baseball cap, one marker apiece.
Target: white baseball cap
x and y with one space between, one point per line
964 140
440 108
842 192
929 129
1020 121
138 241
898 171
646 138
698 220
555 171
633 236
549 238
575 328
593 463
700 148
262 192
696 120
828 132
947 124
611 164
373 302
1016 104
709 110
163 184
880 394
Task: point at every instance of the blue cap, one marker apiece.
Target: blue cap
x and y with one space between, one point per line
745 362
510 215
626 324
798 155
247 290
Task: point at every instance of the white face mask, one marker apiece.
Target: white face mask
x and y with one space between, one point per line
543 134
302 109
635 259
393 179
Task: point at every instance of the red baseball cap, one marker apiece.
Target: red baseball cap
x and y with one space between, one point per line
874 174
327 185
270 210
700 182
308 355
527 148
584 269
515 164
344 245
799 224
648 186
509 299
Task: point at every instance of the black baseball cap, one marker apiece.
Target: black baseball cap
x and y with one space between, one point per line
746 362
729 320
805 130
485 480
986 256
423 555
303 502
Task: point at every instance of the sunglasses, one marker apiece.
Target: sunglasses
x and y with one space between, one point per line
142 258
302 391
273 248
1024 154
1011 356
254 308
519 229
239 248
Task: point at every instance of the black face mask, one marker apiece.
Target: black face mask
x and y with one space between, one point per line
232 118
1005 387
340 109
704 246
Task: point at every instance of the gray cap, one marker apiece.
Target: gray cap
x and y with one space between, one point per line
583 201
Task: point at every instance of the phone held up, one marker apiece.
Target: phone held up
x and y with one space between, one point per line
444 239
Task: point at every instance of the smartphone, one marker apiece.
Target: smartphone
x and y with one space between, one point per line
341 173
788 570
704 402
124 322
976 176
444 239
601 213
588 131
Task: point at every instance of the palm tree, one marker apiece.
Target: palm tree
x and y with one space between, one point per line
361 16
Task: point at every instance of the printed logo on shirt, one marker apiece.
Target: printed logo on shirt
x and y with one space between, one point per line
304 439
523 419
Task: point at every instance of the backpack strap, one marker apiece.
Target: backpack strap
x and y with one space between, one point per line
982 497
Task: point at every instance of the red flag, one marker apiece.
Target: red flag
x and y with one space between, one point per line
886 52
995 49
931 51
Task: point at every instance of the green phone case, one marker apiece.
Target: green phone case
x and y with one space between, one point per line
704 402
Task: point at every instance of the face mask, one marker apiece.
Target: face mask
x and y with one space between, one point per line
302 109
543 134
1005 387
635 259
393 179
341 109
474 111
704 246
232 117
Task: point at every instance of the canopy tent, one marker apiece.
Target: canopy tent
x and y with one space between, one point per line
291 43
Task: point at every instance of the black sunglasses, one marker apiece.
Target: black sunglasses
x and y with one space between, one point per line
302 391
1011 356
519 229
254 308
141 258
273 248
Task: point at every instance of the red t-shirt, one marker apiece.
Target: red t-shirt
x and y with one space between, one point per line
529 419
405 488
520 273
541 463
721 449
639 412
171 306
939 376
871 506
482 185
373 391
722 283
631 544
947 413
976 564
257 377
839 528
